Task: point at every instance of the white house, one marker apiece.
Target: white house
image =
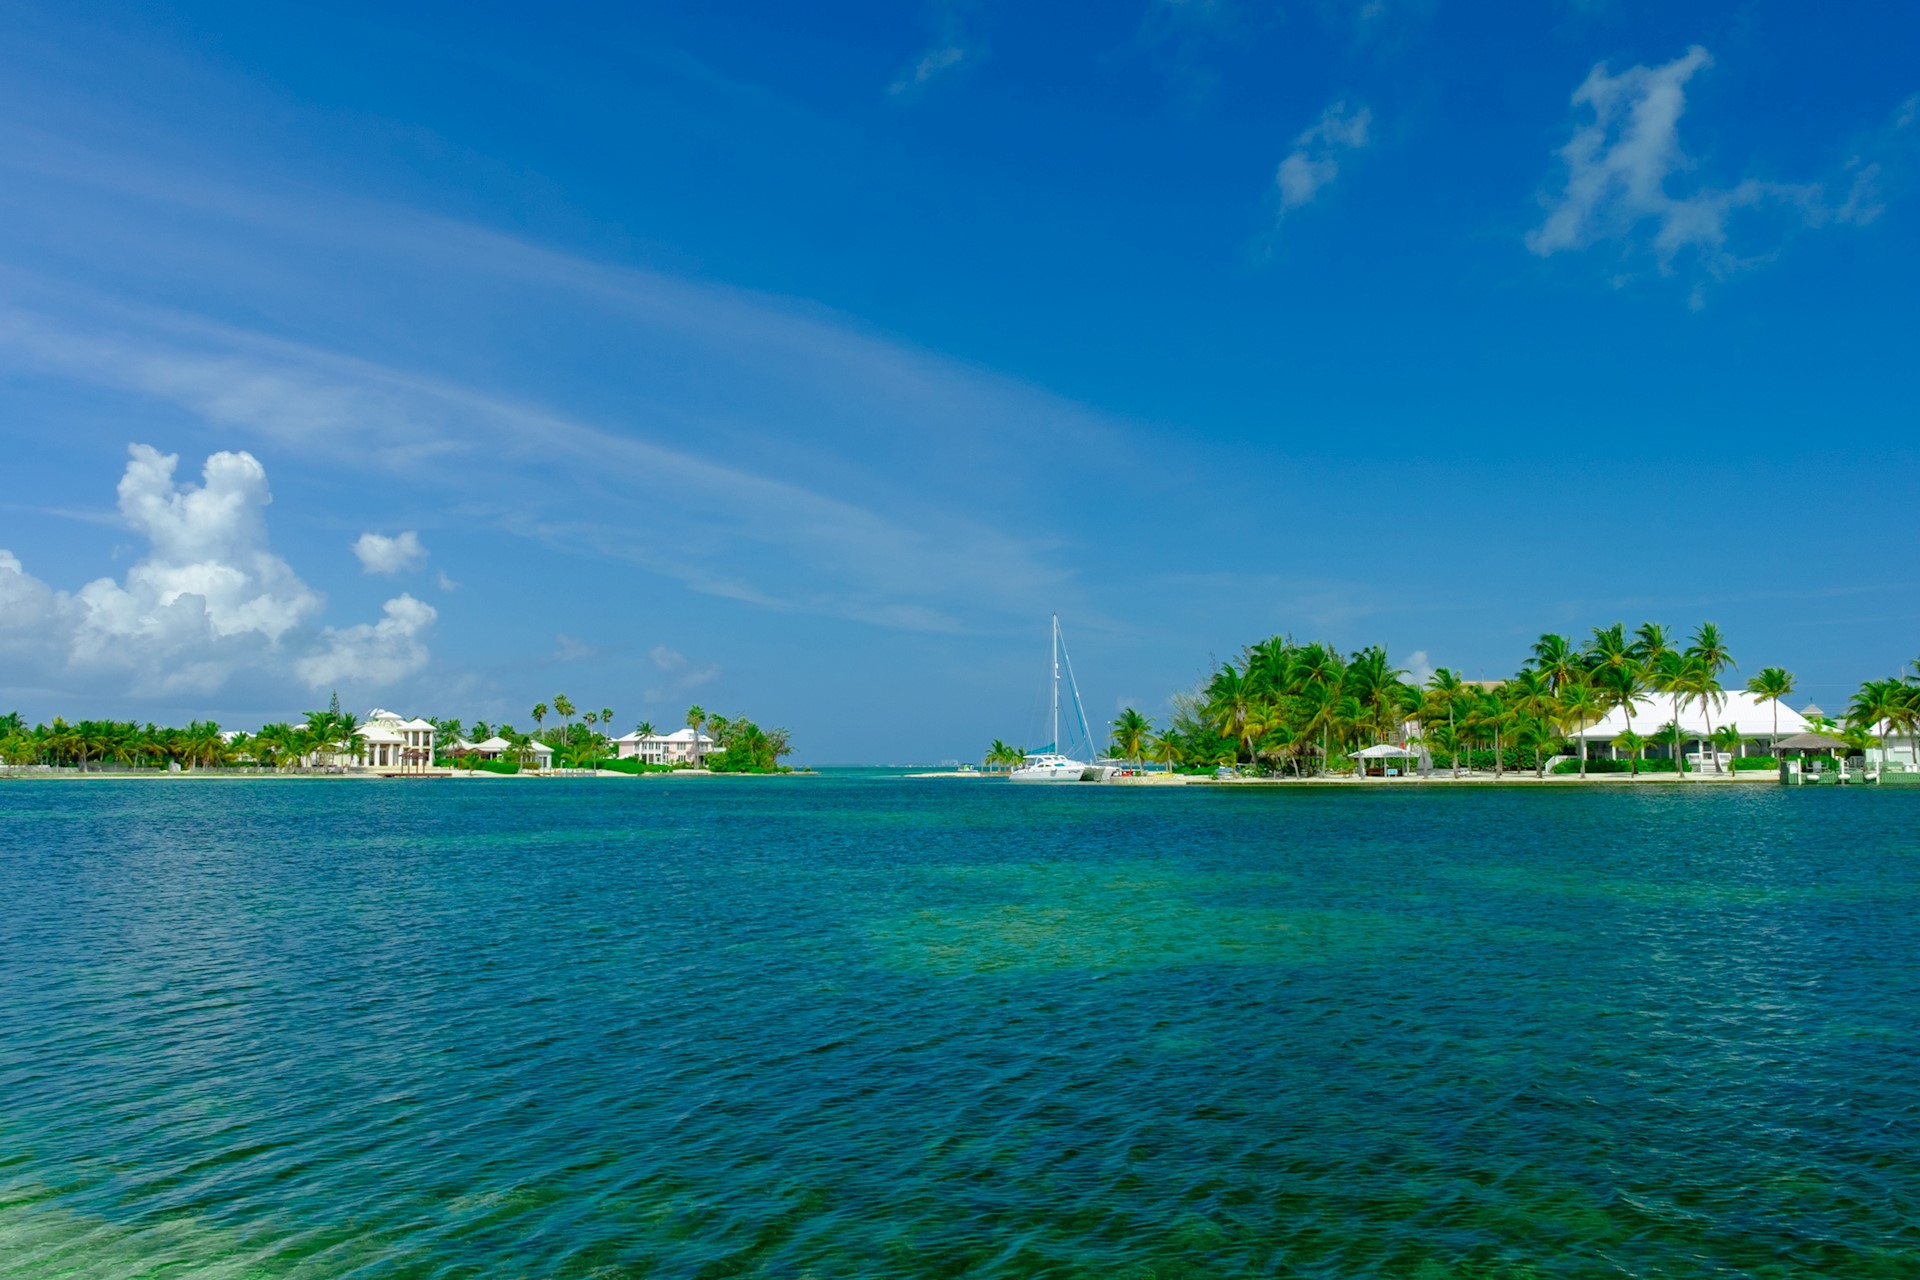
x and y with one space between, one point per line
539 754
1752 716
682 746
388 742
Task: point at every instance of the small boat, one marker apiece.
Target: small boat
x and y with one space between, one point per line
1050 764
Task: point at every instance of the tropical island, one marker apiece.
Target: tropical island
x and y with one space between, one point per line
336 742
1637 703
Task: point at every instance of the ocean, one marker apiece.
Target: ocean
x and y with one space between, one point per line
860 1025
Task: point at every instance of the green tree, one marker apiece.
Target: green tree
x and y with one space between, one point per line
1130 733
1633 744
1770 684
1530 695
696 717
1581 704
1167 748
1727 738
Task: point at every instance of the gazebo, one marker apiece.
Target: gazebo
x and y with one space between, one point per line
1382 751
1806 744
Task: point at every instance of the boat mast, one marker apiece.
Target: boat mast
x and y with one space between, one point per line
1054 656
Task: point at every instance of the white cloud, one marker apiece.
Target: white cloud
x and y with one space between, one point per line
1315 159
568 648
209 604
444 582
1420 667
372 654
381 554
685 677
1627 180
207 600
950 49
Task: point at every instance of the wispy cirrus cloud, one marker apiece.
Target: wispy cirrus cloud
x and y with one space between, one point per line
1314 161
842 525
951 50
1626 180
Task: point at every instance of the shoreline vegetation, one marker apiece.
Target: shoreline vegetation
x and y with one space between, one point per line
1283 711
332 744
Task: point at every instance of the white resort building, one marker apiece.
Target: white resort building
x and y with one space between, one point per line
388 742
1755 718
682 746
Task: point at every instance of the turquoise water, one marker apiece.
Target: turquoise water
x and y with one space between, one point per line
832 1027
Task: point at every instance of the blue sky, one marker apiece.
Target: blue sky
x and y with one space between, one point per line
798 360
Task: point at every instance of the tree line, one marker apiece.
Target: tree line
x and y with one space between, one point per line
1303 709
739 745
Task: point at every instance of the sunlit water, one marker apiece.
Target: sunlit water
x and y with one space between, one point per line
821 1027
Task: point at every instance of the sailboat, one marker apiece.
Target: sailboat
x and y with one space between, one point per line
1050 764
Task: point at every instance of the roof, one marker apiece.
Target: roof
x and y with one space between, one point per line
1751 715
417 723
495 743
1384 751
678 735
1812 709
1808 742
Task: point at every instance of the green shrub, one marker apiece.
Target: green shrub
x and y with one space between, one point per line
1517 759
1601 764
630 764
1743 764
497 766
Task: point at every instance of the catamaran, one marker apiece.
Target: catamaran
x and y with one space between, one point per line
1050 764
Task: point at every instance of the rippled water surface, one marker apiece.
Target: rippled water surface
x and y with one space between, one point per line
833 1027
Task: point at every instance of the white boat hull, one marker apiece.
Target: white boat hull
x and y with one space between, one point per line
1059 769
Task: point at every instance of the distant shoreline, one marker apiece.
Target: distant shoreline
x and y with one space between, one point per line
29 774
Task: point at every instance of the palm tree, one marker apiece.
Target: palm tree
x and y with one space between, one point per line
1444 691
1556 659
1231 700
1490 714
1633 744
1878 702
539 715
1653 647
1727 738
1130 733
1450 740
1672 736
1711 648
563 707
696 717
1166 748
1771 684
1696 679
1530 694
1580 706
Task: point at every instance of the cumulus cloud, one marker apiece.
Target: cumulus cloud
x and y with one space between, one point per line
372 654
1628 180
208 598
381 554
209 601
1315 159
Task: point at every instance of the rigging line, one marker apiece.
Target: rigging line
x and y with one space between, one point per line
1079 709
